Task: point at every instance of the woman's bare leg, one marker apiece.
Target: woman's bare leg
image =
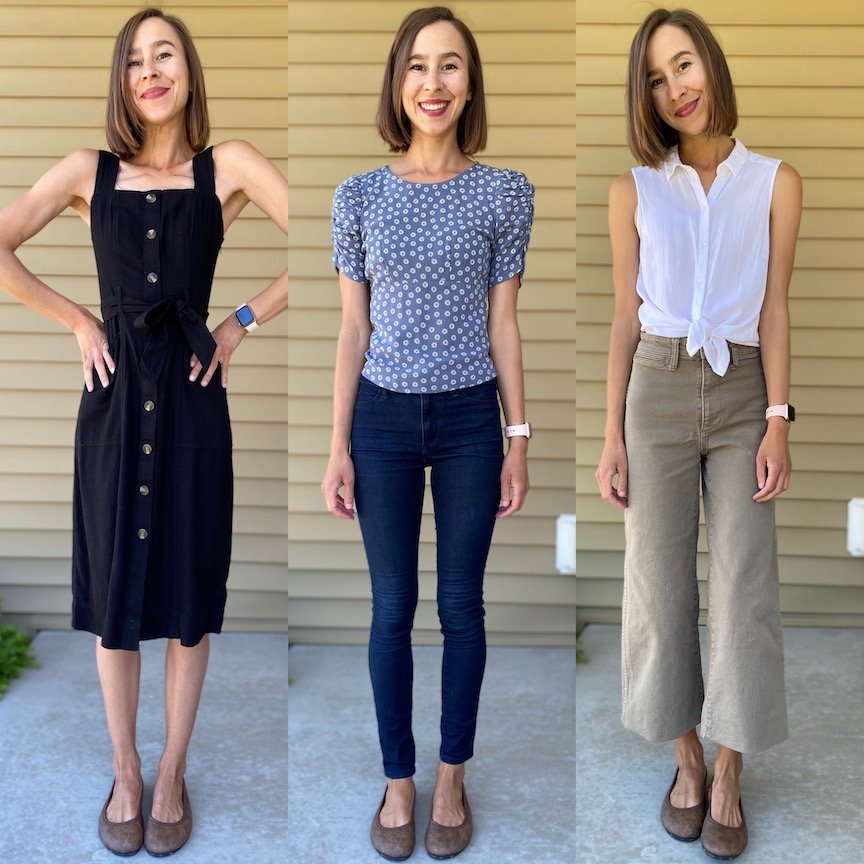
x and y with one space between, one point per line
184 678
690 786
726 787
120 675
447 806
398 806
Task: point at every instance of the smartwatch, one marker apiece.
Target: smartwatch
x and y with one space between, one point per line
786 411
246 318
520 430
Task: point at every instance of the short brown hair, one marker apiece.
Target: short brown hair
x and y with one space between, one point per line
393 124
649 137
123 129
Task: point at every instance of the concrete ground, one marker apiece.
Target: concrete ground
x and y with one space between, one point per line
520 782
256 799
55 757
803 798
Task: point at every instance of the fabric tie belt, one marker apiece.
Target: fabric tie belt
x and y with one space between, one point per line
703 334
154 317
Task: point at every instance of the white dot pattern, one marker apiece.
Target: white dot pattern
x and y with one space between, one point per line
430 252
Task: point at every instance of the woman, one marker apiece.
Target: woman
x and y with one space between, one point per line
153 477
430 252
703 238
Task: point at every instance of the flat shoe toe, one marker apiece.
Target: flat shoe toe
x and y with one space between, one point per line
394 844
165 838
722 841
121 838
443 841
683 823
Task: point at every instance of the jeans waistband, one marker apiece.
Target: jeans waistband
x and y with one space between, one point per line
677 347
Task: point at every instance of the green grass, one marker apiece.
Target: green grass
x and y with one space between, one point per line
581 656
15 655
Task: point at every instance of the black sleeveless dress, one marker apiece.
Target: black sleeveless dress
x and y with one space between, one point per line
153 477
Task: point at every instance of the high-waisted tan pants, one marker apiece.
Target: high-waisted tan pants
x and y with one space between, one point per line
686 426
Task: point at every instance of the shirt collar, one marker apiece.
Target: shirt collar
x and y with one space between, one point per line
733 162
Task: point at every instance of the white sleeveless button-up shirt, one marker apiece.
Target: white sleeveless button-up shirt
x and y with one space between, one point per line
703 260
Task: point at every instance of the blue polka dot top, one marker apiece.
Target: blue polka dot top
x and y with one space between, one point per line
430 252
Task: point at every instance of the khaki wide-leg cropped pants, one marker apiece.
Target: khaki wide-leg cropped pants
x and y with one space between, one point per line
683 424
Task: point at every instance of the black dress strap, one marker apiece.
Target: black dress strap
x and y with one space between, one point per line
203 171
106 172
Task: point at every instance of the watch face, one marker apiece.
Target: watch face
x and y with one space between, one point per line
244 316
791 413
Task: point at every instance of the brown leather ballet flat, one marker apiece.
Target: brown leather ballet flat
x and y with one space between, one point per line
722 841
394 844
121 838
683 823
165 838
443 841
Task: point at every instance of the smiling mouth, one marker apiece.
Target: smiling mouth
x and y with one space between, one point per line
154 92
434 109
688 109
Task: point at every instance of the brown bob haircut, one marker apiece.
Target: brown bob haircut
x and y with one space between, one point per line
649 137
393 124
123 129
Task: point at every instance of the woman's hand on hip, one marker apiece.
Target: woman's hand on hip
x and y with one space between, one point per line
227 336
514 478
339 474
773 463
613 462
90 333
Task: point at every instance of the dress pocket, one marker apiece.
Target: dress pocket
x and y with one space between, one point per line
97 427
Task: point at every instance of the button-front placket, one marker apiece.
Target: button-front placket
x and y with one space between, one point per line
143 505
700 277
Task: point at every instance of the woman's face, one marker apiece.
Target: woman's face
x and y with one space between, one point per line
677 80
436 85
157 74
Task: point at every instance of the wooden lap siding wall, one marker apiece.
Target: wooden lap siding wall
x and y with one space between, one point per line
55 70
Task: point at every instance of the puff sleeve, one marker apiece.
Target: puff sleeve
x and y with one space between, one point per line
514 214
349 254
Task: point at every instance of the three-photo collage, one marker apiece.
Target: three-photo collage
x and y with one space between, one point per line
460 452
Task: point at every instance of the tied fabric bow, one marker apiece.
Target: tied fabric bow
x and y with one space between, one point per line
194 329
703 334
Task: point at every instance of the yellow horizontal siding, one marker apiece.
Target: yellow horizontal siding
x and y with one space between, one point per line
53 101
337 52
800 87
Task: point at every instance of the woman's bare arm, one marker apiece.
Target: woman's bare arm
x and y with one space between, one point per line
505 349
243 175
69 183
354 333
773 463
623 338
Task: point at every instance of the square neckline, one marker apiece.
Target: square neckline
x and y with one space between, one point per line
195 179
203 174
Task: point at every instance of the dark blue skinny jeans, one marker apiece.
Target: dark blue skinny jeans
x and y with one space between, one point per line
394 437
